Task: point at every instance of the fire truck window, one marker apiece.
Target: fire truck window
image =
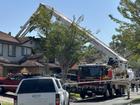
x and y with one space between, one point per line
95 71
91 71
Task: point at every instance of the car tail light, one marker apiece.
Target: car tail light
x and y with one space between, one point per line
57 99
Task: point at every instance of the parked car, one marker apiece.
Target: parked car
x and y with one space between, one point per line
10 83
41 91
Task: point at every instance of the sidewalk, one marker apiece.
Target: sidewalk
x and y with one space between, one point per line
115 101
124 100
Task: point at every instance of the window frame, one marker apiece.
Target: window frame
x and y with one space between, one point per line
24 51
13 54
1 53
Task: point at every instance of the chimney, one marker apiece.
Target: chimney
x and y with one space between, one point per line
9 33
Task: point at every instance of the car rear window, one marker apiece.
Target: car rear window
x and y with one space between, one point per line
37 86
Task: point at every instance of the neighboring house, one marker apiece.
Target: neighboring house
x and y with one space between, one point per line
14 53
30 42
12 49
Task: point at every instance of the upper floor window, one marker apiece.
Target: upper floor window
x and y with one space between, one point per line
25 51
11 50
1 49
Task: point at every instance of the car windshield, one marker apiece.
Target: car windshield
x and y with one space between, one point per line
37 86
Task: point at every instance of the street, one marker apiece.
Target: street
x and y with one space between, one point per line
102 101
91 101
110 101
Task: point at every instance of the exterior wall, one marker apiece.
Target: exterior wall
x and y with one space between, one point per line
18 55
33 44
1 70
30 43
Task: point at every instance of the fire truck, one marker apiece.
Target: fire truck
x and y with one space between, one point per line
92 78
96 79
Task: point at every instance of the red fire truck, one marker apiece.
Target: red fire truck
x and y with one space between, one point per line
95 79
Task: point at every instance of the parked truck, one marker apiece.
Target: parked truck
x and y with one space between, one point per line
95 79
41 91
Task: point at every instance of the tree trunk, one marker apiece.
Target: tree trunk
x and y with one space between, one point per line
64 73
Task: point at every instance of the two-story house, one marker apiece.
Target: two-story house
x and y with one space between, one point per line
13 54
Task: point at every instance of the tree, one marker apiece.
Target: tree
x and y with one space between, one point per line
128 37
91 54
65 43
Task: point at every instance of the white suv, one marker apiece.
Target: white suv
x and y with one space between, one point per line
41 91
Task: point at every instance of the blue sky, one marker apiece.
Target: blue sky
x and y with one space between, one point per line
14 13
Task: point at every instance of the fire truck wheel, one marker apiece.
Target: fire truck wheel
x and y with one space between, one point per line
118 92
82 95
106 94
113 92
89 94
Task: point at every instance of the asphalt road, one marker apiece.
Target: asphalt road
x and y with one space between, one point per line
100 101
91 101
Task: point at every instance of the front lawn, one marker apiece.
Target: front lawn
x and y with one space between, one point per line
136 101
6 103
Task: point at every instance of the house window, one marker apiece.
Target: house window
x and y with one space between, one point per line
1 49
25 51
12 50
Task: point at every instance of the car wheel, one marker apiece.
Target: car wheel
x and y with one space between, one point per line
113 92
106 94
89 94
82 95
